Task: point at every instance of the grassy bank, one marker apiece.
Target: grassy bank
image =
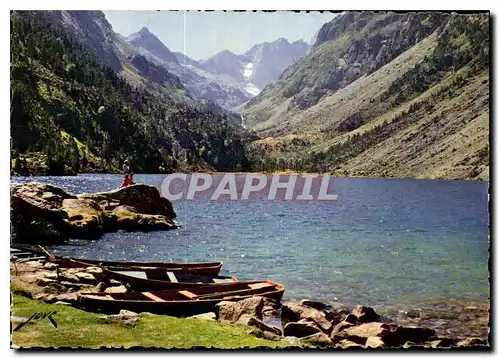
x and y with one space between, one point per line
77 328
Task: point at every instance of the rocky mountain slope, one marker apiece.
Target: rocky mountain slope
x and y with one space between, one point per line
260 66
268 60
83 100
382 94
225 79
202 84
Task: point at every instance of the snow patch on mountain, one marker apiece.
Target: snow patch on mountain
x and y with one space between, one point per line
248 70
252 89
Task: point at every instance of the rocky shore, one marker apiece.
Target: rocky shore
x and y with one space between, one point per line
45 214
305 323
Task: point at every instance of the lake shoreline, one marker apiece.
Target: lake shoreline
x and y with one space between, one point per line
35 279
281 173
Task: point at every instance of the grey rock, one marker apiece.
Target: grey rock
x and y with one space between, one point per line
300 330
118 289
318 339
230 312
203 316
248 320
365 314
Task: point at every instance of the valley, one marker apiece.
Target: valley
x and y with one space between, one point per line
375 94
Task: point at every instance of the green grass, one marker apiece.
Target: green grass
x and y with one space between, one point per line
77 328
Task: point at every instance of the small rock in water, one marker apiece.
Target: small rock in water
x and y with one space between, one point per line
413 313
314 304
365 314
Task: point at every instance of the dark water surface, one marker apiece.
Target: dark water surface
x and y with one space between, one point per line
384 241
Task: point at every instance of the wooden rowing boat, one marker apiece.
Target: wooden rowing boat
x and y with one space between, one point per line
205 268
163 279
180 303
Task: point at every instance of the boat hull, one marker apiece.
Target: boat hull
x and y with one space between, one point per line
177 308
142 284
208 268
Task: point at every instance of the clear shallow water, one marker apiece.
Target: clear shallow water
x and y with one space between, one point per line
384 241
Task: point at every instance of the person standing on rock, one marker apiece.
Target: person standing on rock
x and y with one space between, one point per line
127 179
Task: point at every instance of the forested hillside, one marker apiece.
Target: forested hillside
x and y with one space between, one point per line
70 112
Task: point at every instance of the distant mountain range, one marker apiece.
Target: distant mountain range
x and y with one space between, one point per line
226 79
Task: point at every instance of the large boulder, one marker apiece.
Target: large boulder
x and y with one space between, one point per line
144 198
293 312
46 214
230 312
37 200
85 218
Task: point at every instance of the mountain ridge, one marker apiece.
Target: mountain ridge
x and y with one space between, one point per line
224 78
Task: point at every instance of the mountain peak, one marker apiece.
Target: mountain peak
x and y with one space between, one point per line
148 41
144 31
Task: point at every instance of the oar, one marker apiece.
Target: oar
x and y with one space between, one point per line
51 257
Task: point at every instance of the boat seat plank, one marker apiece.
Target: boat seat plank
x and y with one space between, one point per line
153 297
172 277
259 285
188 294
99 297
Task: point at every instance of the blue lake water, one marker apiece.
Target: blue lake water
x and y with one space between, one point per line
383 241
